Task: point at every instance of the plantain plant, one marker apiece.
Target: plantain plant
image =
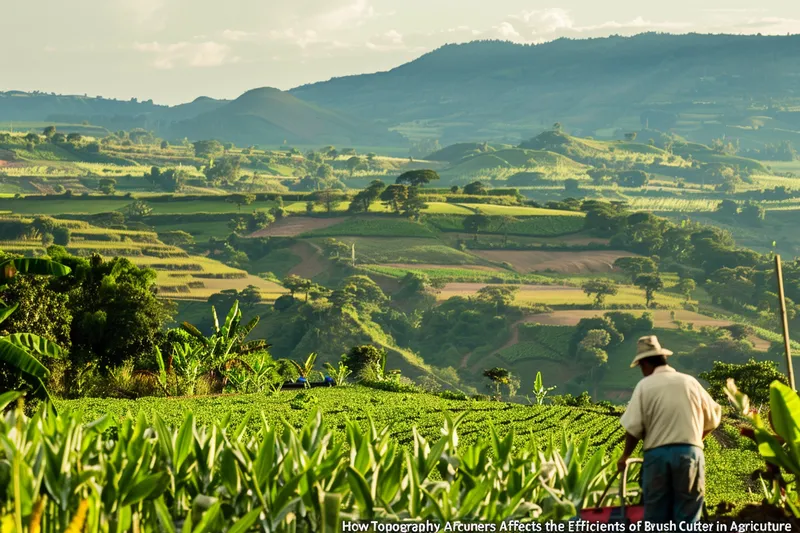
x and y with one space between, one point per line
778 440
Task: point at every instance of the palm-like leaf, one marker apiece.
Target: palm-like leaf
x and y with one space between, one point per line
36 344
19 358
6 311
32 265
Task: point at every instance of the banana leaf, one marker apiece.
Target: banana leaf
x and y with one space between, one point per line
31 265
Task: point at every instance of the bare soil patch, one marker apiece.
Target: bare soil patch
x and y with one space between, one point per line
311 264
661 318
292 226
431 266
564 262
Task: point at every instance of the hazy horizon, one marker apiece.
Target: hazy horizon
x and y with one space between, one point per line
173 51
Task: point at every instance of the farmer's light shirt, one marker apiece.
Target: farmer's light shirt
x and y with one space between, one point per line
668 407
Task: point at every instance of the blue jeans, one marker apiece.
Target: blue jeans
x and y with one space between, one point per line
673 483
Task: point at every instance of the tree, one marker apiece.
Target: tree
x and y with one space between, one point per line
107 186
752 378
753 214
633 266
686 287
74 137
366 197
475 188
413 204
504 223
571 184
363 358
475 223
650 283
209 149
591 350
630 136
295 284
417 178
329 198
260 220
238 225
241 199
107 298
501 296
48 132
139 209
728 208
58 138
324 171
355 164
226 169
226 346
164 145
497 376
32 138
600 288
393 196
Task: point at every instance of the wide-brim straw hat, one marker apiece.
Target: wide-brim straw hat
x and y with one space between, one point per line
648 346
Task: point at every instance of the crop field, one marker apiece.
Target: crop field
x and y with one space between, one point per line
519 211
563 262
377 250
374 227
463 273
534 226
726 474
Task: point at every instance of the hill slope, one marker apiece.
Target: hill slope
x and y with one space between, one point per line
270 116
588 85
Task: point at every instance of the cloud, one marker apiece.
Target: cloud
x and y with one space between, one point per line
142 11
238 35
769 25
356 13
391 40
185 54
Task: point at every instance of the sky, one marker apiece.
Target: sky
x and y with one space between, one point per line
172 51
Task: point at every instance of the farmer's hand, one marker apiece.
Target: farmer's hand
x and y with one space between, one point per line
622 463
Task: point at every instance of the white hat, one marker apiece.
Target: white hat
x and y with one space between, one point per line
648 346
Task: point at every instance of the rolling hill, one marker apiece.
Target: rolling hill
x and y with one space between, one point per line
493 89
271 116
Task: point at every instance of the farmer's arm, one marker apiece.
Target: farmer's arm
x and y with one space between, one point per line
712 412
630 444
633 422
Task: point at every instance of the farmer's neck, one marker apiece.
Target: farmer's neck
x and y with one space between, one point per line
649 365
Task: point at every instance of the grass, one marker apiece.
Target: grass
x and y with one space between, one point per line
465 275
371 250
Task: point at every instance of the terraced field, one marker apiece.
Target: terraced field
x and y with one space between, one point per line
562 262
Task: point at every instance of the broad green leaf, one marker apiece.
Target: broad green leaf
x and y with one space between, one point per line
19 358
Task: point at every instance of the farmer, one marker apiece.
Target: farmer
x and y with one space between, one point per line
673 414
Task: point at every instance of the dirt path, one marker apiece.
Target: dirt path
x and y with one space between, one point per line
292 226
662 319
311 263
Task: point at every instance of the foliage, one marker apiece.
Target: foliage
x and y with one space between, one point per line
752 378
778 444
600 288
539 390
417 178
163 477
225 348
650 283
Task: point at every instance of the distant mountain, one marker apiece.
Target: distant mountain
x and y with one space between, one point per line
259 116
271 116
701 86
